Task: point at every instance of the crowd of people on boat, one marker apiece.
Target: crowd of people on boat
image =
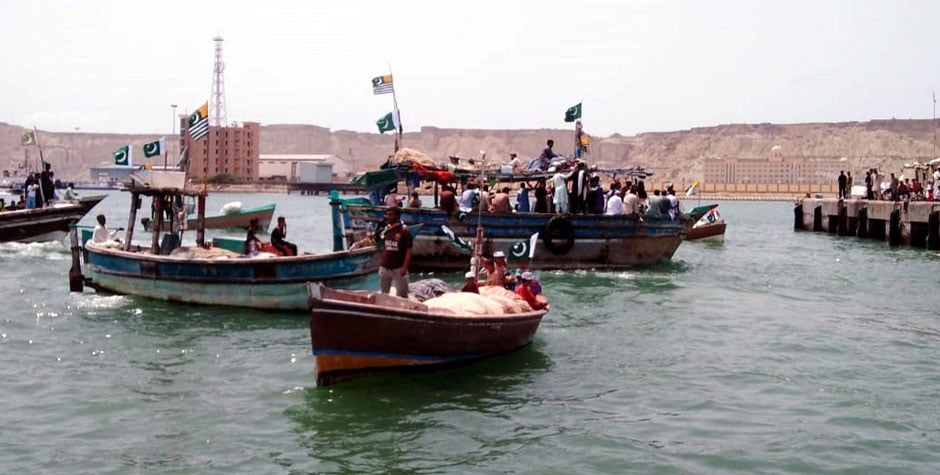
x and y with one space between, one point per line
495 272
39 191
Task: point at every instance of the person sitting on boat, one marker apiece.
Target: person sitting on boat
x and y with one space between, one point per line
396 255
469 198
448 201
252 243
277 238
414 201
392 199
545 159
497 276
500 202
524 290
70 194
101 234
470 283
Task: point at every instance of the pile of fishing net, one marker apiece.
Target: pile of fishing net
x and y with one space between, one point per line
410 155
490 301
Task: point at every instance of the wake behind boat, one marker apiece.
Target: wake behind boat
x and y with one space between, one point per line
201 274
50 223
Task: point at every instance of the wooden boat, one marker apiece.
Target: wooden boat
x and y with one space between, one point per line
194 274
356 332
49 223
236 219
567 241
710 227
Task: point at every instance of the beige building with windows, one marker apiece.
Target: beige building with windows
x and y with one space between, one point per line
226 150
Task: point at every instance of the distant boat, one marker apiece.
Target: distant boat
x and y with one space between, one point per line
199 274
50 223
357 332
237 218
709 227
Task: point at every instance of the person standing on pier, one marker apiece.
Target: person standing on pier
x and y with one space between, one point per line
869 180
842 179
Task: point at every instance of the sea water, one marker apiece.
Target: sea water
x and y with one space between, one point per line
773 352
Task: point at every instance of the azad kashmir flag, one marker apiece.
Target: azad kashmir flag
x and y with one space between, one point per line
386 123
523 250
459 243
694 189
122 156
199 122
382 85
573 113
155 148
28 139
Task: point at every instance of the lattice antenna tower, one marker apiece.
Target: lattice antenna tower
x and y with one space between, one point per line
217 101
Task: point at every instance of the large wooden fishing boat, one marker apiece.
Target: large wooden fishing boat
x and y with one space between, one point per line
357 332
200 274
567 241
50 223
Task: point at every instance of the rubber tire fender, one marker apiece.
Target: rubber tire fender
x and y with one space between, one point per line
558 235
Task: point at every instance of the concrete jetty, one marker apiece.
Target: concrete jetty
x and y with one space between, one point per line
900 223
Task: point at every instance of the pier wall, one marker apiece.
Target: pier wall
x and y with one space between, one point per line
899 223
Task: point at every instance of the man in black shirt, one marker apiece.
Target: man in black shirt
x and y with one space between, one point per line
277 238
396 255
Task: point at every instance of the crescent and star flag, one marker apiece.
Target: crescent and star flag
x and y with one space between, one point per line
199 122
122 156
155 148
386 123
523 250
455 239
382 85
29 138
573 113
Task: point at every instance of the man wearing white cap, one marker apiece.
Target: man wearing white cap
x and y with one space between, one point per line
524 290
471 283
498 276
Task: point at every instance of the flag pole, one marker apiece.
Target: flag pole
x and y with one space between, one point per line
396 114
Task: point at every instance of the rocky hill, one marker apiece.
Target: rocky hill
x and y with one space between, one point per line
678 155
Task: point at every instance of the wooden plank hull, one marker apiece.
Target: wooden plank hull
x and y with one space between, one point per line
596 241
351 338
273 283
710 232
44 224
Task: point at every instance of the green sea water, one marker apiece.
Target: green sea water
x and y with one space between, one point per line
773 352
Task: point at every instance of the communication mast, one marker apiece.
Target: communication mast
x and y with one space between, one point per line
217 101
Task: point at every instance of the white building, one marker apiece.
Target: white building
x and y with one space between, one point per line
309 168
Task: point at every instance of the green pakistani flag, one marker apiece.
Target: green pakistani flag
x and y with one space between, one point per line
386 124
523 250
122 156
573 113
29 138
153 149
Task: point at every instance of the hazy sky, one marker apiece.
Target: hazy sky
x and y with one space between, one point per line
637 66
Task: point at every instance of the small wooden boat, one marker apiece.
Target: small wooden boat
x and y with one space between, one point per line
709 227
356 332
50 223
238 219
200 274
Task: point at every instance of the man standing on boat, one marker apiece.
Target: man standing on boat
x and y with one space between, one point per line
396 255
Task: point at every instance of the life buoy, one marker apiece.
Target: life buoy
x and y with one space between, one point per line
559 235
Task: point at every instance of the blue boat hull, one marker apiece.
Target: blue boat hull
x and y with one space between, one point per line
274 283
565 241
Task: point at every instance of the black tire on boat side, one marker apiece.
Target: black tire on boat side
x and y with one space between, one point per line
559 235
